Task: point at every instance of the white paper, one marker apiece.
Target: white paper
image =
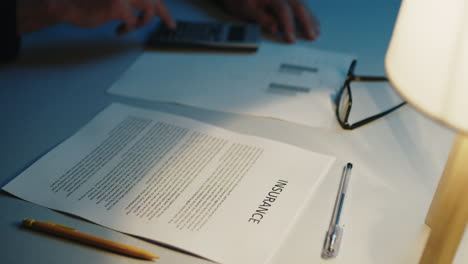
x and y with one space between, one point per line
280 81
228 197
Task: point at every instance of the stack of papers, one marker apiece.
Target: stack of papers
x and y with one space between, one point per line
280 81
224 196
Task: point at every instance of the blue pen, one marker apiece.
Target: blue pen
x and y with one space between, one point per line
334 233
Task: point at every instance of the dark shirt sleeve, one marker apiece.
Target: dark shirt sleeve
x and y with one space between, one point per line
10 43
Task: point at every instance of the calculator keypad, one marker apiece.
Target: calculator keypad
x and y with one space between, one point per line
189 32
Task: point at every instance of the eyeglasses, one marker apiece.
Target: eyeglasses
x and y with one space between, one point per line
344 100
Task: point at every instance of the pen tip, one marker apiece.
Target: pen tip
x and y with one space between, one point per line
349 165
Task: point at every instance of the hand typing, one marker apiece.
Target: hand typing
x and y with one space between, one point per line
276 15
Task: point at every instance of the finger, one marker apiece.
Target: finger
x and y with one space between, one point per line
262 17
147 12
163 13
284 13
267 21
308 21
128 17
316 24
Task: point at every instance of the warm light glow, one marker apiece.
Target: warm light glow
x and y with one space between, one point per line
427 60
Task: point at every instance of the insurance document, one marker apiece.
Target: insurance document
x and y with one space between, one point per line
279 81
227 197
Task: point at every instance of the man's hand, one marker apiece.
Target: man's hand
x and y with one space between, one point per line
92 13
37 14
276 15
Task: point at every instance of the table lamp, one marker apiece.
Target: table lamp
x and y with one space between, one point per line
427 63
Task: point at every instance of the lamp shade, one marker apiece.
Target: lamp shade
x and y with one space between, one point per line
427 59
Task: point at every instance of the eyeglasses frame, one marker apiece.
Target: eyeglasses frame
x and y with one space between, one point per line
350 77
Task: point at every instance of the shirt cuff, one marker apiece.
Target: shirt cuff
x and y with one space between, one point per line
10 45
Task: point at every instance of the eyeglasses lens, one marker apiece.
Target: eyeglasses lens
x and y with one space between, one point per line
344 105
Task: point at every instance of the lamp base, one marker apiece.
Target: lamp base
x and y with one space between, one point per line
448 214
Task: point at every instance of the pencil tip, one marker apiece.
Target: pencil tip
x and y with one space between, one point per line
151 256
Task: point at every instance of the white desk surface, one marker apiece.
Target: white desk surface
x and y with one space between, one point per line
60 83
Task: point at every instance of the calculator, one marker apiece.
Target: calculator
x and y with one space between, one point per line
206 35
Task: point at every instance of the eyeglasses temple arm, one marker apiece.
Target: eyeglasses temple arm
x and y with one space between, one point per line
374 117
369 78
